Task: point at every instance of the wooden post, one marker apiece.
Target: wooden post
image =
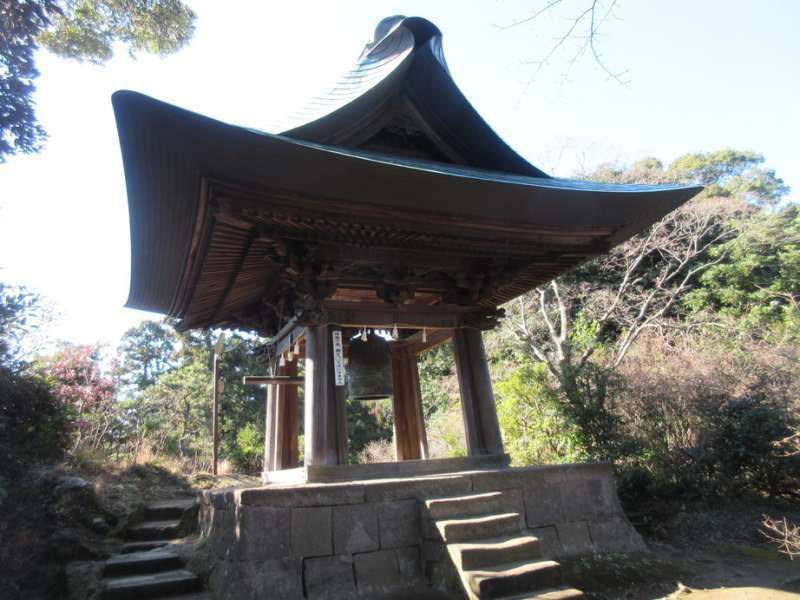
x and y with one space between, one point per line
215 416
270 427
287 454
325 418
481 428
337 424
410 438
280 434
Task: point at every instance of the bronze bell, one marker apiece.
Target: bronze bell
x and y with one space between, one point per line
369 370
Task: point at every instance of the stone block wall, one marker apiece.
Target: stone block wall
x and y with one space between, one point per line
369 538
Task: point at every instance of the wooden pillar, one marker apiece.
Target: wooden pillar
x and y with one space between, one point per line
287 454
410 438
325 416
270 428
281 434
215 415
481 428
337 425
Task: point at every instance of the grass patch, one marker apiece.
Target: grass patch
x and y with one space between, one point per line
755 552
599 575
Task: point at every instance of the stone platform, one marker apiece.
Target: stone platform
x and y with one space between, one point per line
374 538
386 470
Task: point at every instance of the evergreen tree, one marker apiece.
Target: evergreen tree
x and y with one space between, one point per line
79 30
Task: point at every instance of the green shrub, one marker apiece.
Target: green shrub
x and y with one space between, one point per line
742 452
532 419
635 486
599 430
248 454
34 425
739 454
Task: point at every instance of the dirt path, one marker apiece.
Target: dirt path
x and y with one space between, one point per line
723 572
737 572
744 593
741 571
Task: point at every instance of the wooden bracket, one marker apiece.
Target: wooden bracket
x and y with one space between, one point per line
270 380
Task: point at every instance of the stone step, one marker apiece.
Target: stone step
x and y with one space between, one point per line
472 505
514 578
168 509
477 528
129 547
135 563
154 530
498 551
136 587
562 593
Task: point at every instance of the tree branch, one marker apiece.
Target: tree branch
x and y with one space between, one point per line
594 16
563 313
543 309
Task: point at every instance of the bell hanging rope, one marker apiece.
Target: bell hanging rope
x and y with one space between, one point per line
369 369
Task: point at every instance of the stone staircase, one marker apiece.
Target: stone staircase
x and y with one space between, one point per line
495 556
147 567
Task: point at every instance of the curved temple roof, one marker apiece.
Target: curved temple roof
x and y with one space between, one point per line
390 188
400 97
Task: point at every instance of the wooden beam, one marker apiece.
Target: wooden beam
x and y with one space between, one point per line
405 316
417 346
285 338
401 257
504 224
272 380
232 277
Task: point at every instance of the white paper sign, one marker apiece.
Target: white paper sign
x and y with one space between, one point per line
338 358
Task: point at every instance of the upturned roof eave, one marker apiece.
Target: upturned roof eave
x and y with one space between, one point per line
167 151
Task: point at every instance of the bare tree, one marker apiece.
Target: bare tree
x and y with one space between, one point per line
642 282
582 26
782 533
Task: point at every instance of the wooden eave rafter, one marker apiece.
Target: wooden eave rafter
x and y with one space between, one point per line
246 240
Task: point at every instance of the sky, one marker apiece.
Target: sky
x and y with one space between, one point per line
700 76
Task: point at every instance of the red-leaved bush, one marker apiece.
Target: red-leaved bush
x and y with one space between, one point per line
77 379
